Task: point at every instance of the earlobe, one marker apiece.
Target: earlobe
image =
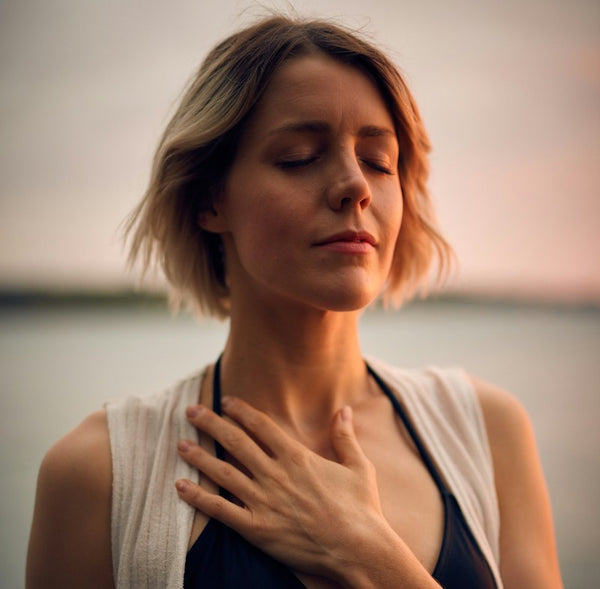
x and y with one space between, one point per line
212 220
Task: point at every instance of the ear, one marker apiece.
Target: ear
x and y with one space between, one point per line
212 220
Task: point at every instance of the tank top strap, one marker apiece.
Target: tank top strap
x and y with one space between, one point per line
220 451
435 475
216 402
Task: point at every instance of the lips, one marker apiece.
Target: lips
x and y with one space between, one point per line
353 243
349 237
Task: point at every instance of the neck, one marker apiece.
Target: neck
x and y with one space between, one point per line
299 366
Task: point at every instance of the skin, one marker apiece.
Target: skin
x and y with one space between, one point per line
327 479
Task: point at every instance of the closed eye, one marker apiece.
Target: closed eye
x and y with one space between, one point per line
296 163
378 167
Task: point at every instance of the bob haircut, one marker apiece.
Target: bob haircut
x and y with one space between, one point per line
198 147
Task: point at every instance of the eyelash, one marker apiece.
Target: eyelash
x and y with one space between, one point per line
292 164
379 168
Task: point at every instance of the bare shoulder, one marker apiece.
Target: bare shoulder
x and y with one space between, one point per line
527 545
510 435
70 534
505 417
82 457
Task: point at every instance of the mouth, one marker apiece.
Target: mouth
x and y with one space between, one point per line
349 237
349 242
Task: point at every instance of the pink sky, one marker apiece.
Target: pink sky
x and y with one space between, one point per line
510 94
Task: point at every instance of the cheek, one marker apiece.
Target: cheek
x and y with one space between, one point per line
397 212
264 206
391 214
264 226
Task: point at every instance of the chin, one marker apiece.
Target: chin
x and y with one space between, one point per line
342 294
348 300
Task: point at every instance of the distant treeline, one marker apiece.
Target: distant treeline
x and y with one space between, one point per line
80 298
31 298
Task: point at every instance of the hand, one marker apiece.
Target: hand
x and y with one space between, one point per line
311 513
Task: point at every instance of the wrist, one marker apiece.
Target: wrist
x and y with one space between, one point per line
380 560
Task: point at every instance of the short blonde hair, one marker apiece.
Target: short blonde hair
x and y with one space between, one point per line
199 145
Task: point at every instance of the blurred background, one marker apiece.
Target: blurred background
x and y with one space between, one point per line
510 93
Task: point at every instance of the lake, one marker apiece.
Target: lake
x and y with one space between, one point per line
58 364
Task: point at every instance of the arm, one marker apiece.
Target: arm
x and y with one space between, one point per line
317 516
69 545
528 556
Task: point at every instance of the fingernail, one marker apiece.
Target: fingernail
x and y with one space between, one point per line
225 402
194 411
346 413
182 485
184 445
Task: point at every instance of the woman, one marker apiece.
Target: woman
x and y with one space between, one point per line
289 192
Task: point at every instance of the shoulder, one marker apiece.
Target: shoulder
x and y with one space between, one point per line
527 544
445 394
81 460
151 408
498 405
510 435
70 534
507 423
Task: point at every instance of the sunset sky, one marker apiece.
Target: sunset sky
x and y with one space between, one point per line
510 93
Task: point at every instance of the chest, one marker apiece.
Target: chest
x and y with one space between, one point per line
410 499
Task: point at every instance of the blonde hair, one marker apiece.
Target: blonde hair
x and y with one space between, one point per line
198 147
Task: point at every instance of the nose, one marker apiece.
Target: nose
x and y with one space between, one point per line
348 186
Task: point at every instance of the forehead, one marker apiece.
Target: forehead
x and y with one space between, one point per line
318 87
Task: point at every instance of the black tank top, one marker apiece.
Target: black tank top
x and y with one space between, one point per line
221 559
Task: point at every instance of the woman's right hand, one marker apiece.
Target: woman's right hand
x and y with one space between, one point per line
316 515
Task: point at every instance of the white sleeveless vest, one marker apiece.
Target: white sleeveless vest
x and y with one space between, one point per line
151 526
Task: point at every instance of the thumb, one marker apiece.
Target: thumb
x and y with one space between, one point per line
343 438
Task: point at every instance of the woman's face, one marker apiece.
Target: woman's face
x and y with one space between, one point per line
311 208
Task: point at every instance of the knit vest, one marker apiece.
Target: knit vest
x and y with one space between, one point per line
151 526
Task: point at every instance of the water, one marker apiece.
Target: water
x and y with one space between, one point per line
57 366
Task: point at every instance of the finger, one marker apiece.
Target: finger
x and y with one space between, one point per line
259 425
213 505
222 473
235 441
344 441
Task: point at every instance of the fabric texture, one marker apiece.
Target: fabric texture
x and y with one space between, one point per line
151 526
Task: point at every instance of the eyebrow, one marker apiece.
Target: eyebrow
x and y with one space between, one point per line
320 128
